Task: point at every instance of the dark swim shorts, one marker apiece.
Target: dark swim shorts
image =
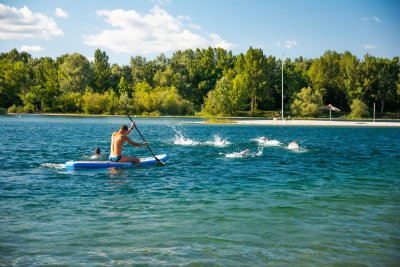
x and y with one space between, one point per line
116 159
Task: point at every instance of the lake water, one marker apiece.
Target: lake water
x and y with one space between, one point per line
333 202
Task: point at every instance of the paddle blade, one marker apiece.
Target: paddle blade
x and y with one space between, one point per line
159 162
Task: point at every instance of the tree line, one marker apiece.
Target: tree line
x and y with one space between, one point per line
202 81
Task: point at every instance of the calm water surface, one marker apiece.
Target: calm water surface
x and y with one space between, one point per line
335 202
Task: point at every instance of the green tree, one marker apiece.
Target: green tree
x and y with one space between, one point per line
181 63
125 104
164 77
112 102
295 78
350 69
74 74
94 103
203 74
14 81
15 77
253 74
217 101
101 72
381 80
69 103
325 75
308 103
123 86
142 70
226 99
225 61
32 99
169 102
143 102
46 88
117 73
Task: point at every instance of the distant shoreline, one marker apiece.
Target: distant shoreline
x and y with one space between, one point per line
244 121
93 115
319 123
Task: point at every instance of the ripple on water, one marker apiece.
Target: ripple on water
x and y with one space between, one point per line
320 207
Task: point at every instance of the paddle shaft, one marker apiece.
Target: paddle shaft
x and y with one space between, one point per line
157 159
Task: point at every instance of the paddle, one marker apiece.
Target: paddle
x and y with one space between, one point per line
159 162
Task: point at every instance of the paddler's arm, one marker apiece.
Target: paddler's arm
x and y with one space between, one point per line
130 128
134 143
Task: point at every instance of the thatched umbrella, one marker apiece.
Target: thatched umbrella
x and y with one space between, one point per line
330 108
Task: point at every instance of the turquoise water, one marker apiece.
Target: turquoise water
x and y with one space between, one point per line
334 202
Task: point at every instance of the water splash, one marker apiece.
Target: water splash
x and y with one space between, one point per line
181 140
240 154
96 157
260 151
294 147
53 166
245 153
263 141
218 141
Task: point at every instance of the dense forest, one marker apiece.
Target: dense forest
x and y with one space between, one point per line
209 81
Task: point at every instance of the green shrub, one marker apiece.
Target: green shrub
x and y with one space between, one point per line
308 103
29 108
12 109
358 109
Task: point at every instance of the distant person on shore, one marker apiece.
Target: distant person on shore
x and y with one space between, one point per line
293 146
118 139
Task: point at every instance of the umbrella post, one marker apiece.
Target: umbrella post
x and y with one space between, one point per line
330 108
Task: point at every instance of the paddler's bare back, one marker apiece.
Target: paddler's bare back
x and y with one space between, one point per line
117 141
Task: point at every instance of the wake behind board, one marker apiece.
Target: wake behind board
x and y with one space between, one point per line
74 165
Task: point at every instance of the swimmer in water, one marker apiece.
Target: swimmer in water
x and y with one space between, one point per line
244 152
97 154
293 146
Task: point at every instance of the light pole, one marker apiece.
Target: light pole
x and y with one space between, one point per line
282 87
374 112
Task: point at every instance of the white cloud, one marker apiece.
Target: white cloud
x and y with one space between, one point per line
286 44
367 46
290 44
194 26
60 13
23 24
161 2
217 41
155 32
376 19
33 48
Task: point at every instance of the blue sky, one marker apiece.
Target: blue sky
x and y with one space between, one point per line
148 28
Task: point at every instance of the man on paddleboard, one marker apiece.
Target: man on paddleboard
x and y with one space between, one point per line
117 141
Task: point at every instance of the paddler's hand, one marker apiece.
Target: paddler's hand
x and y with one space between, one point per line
132 126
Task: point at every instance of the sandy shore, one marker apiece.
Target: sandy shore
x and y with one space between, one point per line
319 123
